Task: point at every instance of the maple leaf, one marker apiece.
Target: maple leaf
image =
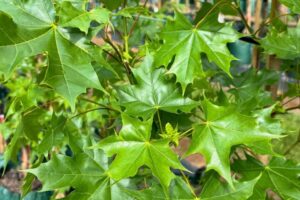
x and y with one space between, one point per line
214 189
152 93
222 129
70 16
284 45
186 43
81 172
134 148
280 175
30 29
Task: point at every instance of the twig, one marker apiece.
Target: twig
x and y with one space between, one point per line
99 104
288 101
293 108
87 111
136 20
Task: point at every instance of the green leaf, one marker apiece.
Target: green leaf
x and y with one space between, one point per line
294 5
178 190
186 43
251 84
81 172
69 16
215 189
14 145
134 148
152 93
29 178
32 122
223 128
112 5
54 134
63 171
79 4
269 124
284 45
31 30
280 175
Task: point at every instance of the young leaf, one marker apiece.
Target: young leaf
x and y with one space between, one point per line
186 43
152 93
222 129
69 16
31 30
280 175
134 148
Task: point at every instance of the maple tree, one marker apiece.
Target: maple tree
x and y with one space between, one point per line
102 120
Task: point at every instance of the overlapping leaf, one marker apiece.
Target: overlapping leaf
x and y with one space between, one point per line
294 5
54 134
152 92
285 45
134 148
70 16
214 189
81 172
186 43
28 29
223 128
280 175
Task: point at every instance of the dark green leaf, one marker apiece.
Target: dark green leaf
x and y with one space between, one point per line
186 43
152 93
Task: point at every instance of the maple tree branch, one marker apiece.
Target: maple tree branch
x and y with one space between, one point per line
288 101
113 56
238 9
293 108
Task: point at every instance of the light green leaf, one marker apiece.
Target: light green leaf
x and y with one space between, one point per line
222 129
186 43
285 45
134 148
28 32
294 5
79 4
280 175
69 16
152 93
